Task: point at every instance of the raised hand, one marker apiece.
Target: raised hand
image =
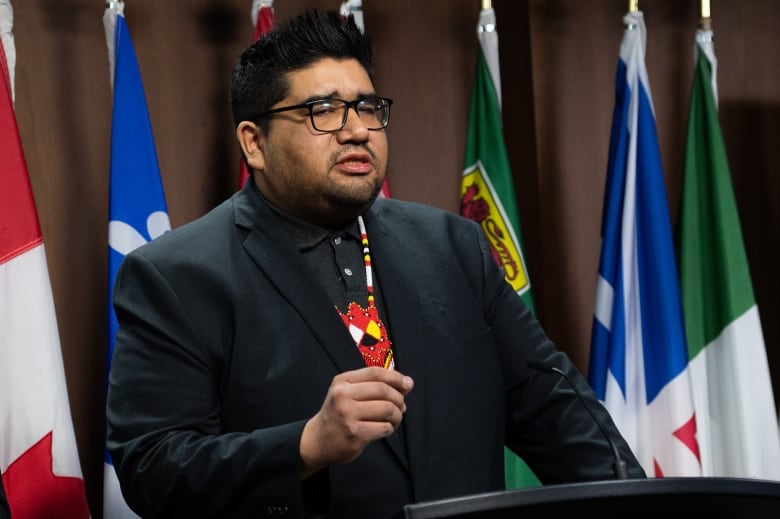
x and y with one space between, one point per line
361 406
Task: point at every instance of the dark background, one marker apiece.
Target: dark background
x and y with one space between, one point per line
558 61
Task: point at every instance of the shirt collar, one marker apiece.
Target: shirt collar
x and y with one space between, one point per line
306 235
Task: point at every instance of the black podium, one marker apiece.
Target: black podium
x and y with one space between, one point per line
662 498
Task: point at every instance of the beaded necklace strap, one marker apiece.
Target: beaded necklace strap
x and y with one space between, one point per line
366 259
364 324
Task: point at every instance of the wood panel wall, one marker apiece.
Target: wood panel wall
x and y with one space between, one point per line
558 61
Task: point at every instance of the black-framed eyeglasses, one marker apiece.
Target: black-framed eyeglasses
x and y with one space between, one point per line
330 115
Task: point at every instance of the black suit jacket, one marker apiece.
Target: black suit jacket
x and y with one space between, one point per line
227 345
5 512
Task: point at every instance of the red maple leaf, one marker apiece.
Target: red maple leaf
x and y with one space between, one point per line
34 492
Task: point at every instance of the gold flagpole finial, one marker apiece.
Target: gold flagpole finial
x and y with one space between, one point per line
487 4
633 6
705 8
705 21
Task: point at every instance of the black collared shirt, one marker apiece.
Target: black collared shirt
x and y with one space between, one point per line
336 257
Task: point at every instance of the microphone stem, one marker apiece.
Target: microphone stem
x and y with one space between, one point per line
619 465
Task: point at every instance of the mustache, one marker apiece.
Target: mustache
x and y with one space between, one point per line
353 148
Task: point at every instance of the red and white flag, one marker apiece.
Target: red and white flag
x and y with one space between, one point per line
38 456
355 8
262 16
263 20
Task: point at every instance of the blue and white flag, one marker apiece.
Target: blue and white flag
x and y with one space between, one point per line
137 208
639 360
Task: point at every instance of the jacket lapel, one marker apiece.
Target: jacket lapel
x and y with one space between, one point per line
274 252
394 273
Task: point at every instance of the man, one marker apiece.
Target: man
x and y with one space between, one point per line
307 349
5 512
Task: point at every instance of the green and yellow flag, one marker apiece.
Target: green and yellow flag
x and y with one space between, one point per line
487 191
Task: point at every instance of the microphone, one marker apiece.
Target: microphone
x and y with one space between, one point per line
546 367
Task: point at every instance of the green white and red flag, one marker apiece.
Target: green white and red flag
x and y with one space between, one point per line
737 425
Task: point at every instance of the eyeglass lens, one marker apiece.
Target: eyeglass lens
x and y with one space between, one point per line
331 114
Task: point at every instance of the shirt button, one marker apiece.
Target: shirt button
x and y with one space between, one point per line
348 271
337 240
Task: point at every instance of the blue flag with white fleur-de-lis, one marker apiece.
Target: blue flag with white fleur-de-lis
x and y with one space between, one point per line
137 210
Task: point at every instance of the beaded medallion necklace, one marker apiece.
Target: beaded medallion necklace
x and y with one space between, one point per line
364 324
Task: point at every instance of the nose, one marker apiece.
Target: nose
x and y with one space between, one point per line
355 127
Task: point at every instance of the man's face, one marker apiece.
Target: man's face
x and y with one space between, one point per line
325 178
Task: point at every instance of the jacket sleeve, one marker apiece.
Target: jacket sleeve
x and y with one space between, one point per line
163 412
546 423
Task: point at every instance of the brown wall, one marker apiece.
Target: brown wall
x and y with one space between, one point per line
558 61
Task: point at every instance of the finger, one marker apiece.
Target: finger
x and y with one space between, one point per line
378 411
366 432
362 392
396 379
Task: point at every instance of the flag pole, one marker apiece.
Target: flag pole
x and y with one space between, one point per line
705 19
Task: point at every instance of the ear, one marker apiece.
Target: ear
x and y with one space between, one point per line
250 137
